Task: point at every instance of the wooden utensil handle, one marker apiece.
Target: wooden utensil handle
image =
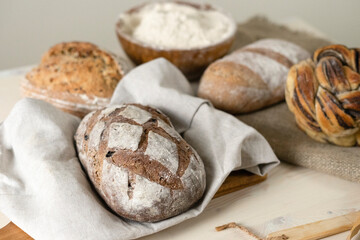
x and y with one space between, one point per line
317 230
12 232
355 229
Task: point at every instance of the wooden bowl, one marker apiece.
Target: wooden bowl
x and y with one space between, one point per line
192 62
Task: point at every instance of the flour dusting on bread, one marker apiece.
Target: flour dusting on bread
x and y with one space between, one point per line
138 163
252 77
138 115
124 136
163 150
289 50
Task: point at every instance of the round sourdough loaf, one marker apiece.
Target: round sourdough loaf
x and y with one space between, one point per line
138 163
77 77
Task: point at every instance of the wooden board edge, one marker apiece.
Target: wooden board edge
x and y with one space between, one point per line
238 180
13 232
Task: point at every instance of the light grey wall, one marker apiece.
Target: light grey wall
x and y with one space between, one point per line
29 27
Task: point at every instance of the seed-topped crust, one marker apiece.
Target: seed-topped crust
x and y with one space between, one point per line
77 67
77 77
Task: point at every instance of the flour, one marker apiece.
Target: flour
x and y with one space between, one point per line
289 50
124 136
95 135
137 114
168 25
162 150
271 72
170 130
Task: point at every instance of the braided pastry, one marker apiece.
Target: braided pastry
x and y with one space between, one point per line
324 95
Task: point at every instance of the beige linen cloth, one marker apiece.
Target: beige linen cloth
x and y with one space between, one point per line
44 190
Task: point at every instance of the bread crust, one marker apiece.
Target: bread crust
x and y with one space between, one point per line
225 84
138 163
250 78
77 77
323 93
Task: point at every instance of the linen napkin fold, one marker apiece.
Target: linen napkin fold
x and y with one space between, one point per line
44 190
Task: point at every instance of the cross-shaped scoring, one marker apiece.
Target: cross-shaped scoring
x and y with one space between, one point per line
138 163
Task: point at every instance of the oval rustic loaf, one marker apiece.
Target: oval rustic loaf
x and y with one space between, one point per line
138 163
323 93
252 77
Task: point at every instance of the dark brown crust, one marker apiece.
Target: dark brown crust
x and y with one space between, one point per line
304 94
137 162
331 110
330 115
331 75
345 55
351 102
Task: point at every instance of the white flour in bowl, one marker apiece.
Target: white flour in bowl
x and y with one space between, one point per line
169 25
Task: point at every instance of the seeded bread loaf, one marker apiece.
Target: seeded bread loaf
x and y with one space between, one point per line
252 77
77 77
138 163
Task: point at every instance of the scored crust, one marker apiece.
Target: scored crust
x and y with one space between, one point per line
224 86
138 163
77 77
252 77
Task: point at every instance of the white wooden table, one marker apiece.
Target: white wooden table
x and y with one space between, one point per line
290 196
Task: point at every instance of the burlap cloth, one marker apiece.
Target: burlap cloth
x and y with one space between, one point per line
260 27
290 144
277 123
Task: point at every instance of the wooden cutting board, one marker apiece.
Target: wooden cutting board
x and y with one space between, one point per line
234 182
